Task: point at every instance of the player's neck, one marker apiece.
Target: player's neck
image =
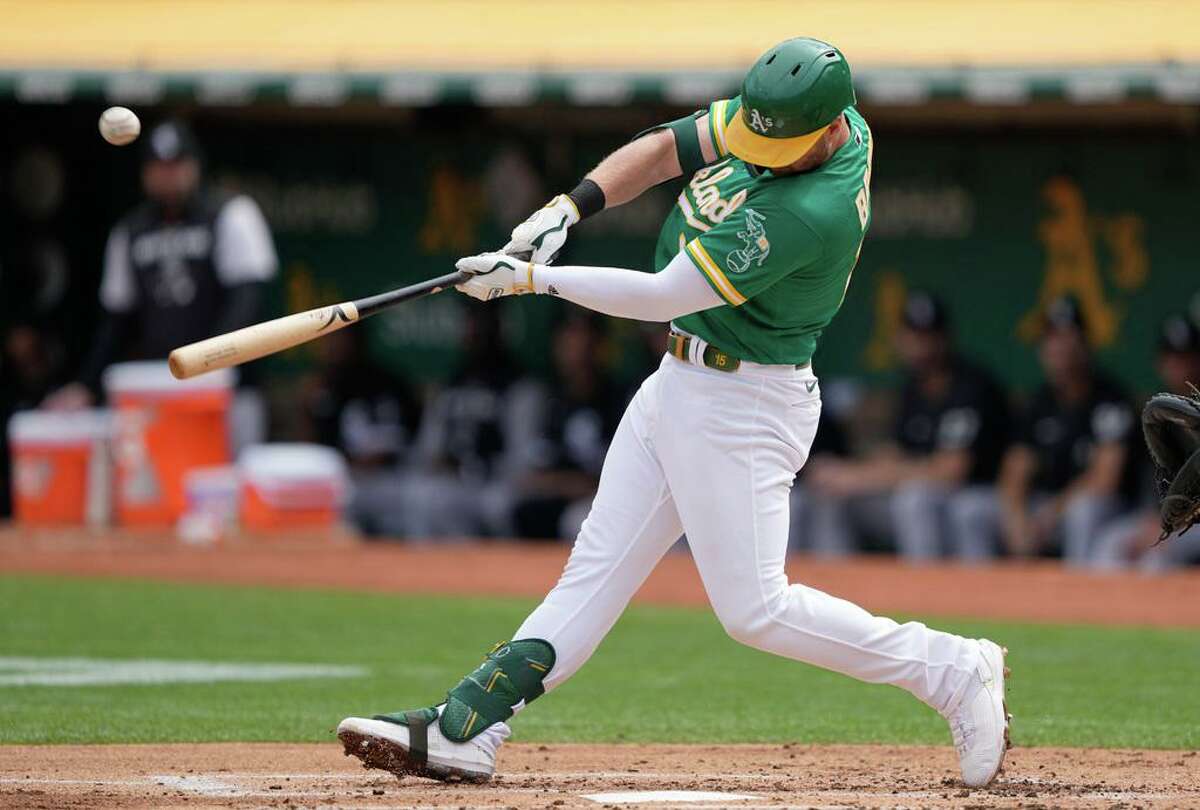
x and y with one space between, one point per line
827 147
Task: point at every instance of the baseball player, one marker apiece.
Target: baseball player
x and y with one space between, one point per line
752 264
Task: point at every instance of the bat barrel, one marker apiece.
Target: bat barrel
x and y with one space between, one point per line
259 340
269 337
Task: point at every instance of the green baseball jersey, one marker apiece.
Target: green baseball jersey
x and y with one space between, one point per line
778 249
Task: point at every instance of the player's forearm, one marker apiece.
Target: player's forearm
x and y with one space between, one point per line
1103 475
636 167
620 177
676 291
1091 483
881 471
888 471
948 467
1013 490
1016 473
617 292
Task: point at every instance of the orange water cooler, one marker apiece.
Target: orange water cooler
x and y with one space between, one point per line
291 486
60 467
163 428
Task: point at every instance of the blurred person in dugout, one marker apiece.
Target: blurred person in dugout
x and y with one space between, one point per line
186 264
1132 541
38 302
575 420
353 403
1070 470
949 434
469 447
809 531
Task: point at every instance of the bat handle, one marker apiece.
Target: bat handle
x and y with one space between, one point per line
374 303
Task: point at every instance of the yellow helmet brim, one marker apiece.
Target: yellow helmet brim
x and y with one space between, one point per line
773 153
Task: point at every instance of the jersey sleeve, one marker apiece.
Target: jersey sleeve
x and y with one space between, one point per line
720 113
244 250
1112 422
753 248
118 292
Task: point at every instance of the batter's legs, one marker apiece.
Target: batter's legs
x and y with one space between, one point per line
632 523
722 451
729 462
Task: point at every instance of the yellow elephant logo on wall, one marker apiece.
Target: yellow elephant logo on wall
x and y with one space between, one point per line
1071 236
1098 259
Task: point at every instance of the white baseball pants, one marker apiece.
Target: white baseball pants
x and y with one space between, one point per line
714 454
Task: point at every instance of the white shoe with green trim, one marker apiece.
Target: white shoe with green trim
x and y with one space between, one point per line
412 744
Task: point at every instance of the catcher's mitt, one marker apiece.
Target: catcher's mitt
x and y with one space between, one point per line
1171 425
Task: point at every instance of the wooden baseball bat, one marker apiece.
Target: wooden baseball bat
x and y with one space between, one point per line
268 337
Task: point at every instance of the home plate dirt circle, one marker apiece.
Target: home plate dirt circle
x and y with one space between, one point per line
751 777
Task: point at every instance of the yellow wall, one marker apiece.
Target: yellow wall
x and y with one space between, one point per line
365 34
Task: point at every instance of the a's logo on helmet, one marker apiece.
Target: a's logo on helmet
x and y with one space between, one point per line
759 123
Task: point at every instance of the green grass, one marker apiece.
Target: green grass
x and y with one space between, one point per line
664 674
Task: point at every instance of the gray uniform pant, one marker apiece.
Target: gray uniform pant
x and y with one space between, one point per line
977 519
427 505
1118 547
920 518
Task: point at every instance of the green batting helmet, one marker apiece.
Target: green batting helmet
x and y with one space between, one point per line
789 98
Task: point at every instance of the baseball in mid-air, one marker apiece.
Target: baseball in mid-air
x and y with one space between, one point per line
119 125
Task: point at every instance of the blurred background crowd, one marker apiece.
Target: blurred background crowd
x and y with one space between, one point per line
1029 279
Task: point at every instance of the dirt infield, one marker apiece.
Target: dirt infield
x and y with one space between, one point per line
1029 591
266 775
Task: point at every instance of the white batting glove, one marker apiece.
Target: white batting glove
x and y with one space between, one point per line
495 275
542 236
